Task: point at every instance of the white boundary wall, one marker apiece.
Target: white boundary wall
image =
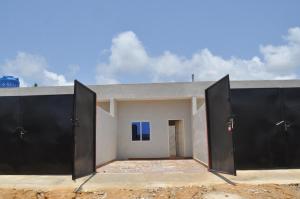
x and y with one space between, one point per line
106 137
200 145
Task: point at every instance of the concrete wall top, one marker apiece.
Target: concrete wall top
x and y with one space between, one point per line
178 90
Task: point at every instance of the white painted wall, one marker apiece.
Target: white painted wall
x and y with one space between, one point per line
200 145
104 105
106 137
153 91
157 113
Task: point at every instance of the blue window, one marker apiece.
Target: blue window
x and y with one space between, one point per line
140 131
136 131
145 131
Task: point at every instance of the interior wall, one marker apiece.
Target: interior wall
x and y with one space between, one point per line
172 141
200 145
176 138
106 137
180 137
158 113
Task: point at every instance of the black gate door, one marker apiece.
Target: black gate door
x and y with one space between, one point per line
36 134
291 124
84 131
258 138
47 138
9 136
218 109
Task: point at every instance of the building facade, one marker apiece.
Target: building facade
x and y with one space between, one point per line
160 120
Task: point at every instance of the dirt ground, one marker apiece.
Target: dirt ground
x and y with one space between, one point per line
155 179
209 192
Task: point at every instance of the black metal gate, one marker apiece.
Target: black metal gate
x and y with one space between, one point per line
291 125
256 112
219 119
84 131
267 125
36 134
10 147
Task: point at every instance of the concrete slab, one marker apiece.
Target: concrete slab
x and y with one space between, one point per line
279 176
153 166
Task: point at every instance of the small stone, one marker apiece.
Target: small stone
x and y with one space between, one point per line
40 195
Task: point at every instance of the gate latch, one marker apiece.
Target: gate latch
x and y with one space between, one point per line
280 122
20 131
285 123
230 125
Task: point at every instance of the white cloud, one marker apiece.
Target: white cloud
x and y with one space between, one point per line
127 53
32 69
128 57
293 35
284 57
128 60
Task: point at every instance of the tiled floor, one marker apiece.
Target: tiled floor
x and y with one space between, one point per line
153 166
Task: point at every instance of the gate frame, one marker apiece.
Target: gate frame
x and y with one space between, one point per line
208 128
76 82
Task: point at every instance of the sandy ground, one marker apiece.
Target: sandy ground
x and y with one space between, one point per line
156 179
208 192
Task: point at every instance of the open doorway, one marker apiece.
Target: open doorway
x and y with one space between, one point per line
176 138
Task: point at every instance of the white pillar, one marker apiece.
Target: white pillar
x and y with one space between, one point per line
113 107
194 105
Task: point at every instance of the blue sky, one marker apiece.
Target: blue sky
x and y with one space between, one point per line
53 42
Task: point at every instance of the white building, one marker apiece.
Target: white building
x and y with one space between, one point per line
160 120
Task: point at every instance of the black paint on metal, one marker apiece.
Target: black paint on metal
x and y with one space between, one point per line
47 140
291 127
10 150
256 113
267 127
220 143
84 131
36 134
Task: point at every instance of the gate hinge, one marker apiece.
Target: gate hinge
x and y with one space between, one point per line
75 122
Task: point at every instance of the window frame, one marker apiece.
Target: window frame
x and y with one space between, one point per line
141 132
